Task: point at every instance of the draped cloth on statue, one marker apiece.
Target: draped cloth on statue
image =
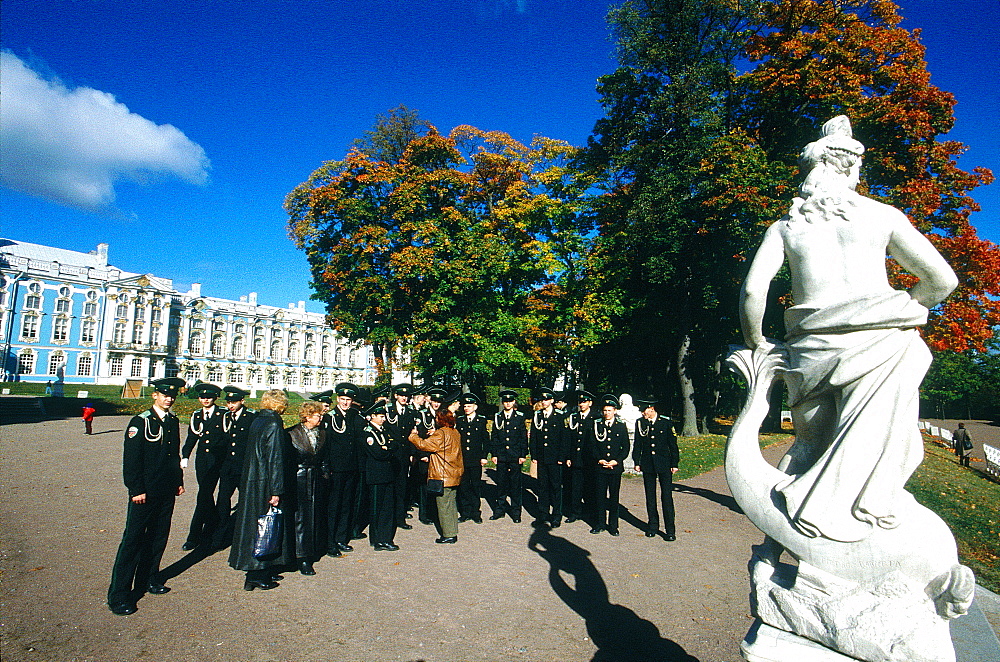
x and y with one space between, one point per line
861 362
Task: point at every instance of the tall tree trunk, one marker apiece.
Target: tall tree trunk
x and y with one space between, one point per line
688 409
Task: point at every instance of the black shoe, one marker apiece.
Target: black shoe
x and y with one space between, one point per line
555 524
344 547
406 526
275 577
539 523
463 518
359 536
188 546
650 534
409 516
477 520
306 568
426 521
496 516
335 553
447 541
596 529
123 608
671 537
570 520
262 584
385 547
613 532
157 589
515 520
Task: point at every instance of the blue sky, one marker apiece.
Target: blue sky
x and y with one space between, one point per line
190 121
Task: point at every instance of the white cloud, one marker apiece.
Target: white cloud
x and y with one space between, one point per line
70 146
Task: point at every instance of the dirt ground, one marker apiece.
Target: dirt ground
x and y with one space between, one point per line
504 592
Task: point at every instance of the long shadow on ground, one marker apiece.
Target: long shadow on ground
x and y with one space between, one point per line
721 499
617 631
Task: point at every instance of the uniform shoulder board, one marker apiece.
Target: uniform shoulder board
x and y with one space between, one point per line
251 411
145 414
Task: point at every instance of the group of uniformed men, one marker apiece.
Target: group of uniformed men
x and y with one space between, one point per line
578 455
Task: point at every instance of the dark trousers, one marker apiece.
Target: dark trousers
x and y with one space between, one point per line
147 527
666 479
572 491
361 512
550 491
399 485
339 506
382 498
205 517
229 482
470 492
310 513
89 425
508 478
609 484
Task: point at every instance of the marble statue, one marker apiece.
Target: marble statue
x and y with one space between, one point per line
876 575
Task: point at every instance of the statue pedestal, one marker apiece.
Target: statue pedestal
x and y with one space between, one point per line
764 643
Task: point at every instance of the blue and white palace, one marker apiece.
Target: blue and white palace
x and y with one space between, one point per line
73 318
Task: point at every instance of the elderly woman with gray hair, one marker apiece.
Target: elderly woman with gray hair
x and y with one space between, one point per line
262 485
307 468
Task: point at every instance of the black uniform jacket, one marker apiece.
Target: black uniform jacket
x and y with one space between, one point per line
206 433
509 440
475 438
151 462
656 445
234 445
548 438
576 429
609 442
399 425
381 462
342 439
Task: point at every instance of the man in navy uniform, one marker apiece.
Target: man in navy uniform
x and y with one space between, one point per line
235 425
657 456
548 442
399 422
206 439
509 446
153 477
475 440
381 470
579 472
609 439
326 399
346 425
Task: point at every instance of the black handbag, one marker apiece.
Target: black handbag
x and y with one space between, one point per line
268 540
435 487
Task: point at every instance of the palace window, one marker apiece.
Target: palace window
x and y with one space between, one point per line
291 379
238 348
272 378
56 361
88 331
239 328
258 349
324 380
325 355
140 312
117 366
60 329
84 365
90 309
137 333
197 323
156 315
217 341
236 375
197 343
172 369
122 311
310 353
124 298
62 305
215 373
26 362
307 379
136 367
33 299
119 336
275 349
293 351
29 327
338 357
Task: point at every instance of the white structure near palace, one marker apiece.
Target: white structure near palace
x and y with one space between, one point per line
73 318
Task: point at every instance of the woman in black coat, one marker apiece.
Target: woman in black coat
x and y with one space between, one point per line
262 485
307 470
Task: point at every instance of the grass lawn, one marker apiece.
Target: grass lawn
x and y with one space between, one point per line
969 502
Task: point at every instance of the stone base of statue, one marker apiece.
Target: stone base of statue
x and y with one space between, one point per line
764 643
891 619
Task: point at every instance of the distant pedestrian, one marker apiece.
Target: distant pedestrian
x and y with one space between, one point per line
88 417
48 387
963 444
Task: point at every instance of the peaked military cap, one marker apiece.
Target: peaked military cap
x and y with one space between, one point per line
470 399
403 389
610 401
559 396
381 392
438 393
543 394
207 390
584 396
168 385
234 393
377 408
325 397
508 396
346 388
646 403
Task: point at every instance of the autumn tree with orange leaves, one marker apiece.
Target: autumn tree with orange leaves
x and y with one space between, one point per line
453 248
